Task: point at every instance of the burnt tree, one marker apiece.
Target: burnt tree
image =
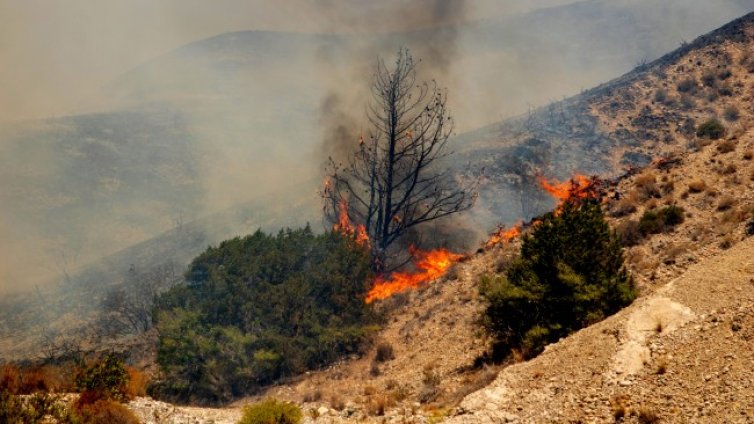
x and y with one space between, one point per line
398 178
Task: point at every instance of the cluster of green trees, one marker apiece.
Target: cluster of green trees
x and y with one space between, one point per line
570 274
257 308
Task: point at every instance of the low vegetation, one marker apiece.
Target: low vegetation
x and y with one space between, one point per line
261 307
661 220
271 411
27 395
711 129
570 274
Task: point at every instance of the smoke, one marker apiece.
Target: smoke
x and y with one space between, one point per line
181 125
430 33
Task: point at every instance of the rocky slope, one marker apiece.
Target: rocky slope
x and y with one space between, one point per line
682 354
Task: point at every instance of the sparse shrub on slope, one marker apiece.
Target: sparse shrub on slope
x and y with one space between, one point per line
711 129
106 378
260 307
659 221
570 274
271 411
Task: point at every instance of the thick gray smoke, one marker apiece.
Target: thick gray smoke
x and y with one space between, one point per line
434 47
123 120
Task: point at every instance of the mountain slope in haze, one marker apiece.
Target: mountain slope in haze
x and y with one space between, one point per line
222 120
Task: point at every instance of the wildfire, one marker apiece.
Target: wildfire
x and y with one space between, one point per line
578 187
430 266
344 225
503 235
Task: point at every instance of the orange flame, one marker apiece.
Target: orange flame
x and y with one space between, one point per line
578 187
503 236
430 266
344 225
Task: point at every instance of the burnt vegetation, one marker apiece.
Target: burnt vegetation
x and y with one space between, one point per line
398 178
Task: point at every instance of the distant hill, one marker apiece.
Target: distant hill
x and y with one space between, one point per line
223 120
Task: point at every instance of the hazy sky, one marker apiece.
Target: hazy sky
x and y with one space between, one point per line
54 54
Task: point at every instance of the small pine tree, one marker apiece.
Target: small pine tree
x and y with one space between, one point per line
570 275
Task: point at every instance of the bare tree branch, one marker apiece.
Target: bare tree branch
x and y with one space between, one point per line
395 180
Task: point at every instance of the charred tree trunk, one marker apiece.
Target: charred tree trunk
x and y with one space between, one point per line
396 180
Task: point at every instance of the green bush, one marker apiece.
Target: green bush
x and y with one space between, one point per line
36 408
261 307
570 274
271 411
106 378
662 220
712 129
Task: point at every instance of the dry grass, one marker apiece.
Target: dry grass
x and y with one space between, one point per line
697 186
748 155
337 403
647 416
619 407
377 405
662 366
726 146
137 383
623 207
473 383
726 203
646 186
105 411
384 352
731 113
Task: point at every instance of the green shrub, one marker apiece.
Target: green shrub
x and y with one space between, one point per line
570 274
711 129
106 378
659 221
261 307
271 411
36 408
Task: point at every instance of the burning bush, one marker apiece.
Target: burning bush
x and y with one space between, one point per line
260 307
570 274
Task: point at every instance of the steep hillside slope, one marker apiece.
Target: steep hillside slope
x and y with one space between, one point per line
679 352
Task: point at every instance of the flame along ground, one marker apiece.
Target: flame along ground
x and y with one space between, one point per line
503 235
433 264
430 266
578 188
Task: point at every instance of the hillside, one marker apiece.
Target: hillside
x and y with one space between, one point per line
680 352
